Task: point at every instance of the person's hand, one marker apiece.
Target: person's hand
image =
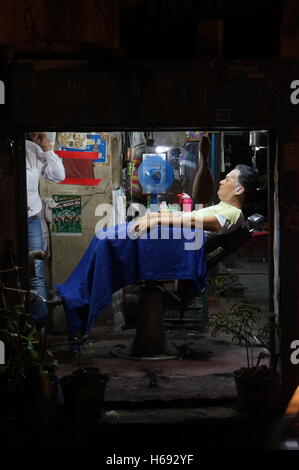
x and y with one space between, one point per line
147 222
42 140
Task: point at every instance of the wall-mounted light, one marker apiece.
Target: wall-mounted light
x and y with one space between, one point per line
255 139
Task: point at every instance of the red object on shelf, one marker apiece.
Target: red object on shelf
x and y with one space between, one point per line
185 202
77 154
82 181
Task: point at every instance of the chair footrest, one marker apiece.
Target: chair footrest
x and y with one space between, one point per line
54 298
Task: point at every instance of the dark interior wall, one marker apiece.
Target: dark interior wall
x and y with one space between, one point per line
59 27
13 245
200 29
143 29
7 196
134 94
289 252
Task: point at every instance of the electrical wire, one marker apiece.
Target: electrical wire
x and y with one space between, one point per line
91 196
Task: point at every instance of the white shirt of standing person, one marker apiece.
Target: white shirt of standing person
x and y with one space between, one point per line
40 161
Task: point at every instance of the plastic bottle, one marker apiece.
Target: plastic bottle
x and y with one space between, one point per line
185 202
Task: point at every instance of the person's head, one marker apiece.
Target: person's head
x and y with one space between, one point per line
30 136
238 185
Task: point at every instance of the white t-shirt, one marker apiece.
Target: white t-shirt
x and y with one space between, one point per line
40 163
229 217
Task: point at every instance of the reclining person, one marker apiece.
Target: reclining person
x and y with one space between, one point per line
215 220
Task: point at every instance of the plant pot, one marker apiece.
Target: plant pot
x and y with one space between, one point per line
84 395
31 403
257 394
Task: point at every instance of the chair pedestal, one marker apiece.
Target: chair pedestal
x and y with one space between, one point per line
149 341
150 333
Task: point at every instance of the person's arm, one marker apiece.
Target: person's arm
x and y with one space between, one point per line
52 168
149 221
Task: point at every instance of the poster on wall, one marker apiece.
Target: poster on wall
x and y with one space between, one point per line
194 136
66 216
91 146
80 152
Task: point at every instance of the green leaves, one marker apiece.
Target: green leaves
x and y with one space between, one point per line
241 319
24 356
226 285
80 339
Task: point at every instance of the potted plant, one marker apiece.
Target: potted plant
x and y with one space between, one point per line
27 379
83 390
257 384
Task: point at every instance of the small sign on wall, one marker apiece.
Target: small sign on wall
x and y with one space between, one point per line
90 146
194 136
66 218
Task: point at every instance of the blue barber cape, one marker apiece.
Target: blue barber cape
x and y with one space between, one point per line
114 260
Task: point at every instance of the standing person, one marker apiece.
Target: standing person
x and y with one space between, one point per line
41 160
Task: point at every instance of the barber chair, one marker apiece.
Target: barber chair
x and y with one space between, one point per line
150 338
150 341
221 246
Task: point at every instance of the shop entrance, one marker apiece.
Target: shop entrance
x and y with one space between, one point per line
102 172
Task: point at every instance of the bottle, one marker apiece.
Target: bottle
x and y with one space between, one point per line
185 202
